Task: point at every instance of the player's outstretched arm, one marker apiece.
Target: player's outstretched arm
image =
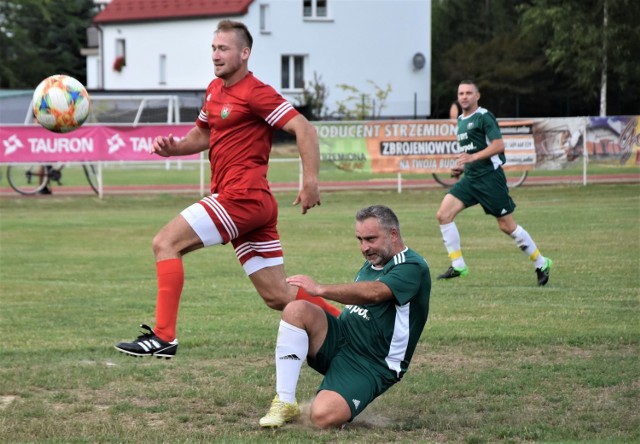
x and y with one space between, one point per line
196 140
309 149
357 293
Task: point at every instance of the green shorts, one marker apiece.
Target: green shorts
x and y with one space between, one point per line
489 190
358 379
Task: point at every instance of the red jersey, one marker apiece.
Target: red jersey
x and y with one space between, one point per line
242 119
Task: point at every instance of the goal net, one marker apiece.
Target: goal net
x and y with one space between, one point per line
139 109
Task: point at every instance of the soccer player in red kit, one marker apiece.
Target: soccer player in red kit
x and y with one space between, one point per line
236 125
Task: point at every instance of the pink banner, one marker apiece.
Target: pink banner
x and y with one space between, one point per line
33 143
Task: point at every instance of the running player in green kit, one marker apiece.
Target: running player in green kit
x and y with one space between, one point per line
483 183
368 347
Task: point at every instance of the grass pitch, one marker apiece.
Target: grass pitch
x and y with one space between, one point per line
500 360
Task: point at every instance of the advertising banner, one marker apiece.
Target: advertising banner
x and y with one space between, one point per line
613 140
390 146
26 144
413 146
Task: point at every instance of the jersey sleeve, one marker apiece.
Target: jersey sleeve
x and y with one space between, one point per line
492 129
202 121
404 281
271 106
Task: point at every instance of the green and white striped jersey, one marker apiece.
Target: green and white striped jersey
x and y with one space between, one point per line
389 331
475 133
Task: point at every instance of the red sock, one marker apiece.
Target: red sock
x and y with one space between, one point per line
317 300
170 273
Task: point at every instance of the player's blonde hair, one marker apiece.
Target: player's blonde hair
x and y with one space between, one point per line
239 28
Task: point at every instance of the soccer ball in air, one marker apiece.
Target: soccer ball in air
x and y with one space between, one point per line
60 103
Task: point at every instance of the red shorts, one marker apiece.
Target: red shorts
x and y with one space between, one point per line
248 220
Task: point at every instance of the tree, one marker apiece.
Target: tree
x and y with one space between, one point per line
314 97
39 38
538 58
360 105
592 42
479 41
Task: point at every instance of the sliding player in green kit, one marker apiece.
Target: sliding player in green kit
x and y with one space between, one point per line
368 347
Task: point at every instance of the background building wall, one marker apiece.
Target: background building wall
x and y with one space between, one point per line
358 42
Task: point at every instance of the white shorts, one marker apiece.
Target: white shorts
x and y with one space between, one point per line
256 247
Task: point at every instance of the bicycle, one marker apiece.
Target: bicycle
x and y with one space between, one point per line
514 178
34 178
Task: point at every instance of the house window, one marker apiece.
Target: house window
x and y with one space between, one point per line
264 18
163 69
292 72
315 8
121 48
121 55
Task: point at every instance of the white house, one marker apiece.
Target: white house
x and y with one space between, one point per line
165 45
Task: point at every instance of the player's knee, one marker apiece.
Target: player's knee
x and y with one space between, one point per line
275 304
325 418
300 313
507 226
444 217
274 301
329 410
291 309
159 244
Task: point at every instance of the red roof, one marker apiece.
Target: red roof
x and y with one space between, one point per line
152 10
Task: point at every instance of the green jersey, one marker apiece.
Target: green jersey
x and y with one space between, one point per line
389 331
475 133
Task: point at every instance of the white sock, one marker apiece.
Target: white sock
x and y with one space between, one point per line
292 347
528 246
451 238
